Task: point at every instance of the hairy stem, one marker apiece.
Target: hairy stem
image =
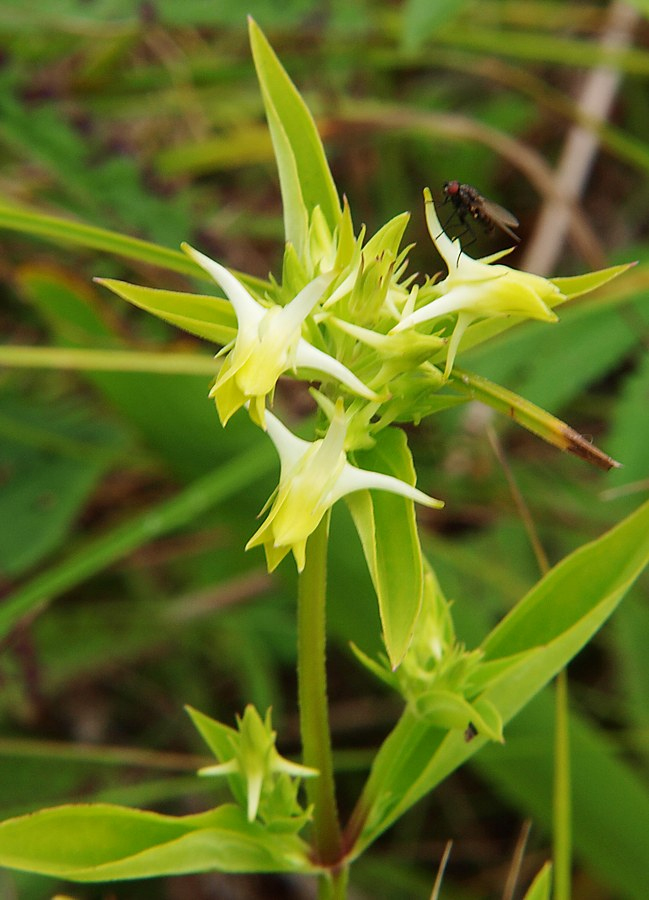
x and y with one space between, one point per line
312 687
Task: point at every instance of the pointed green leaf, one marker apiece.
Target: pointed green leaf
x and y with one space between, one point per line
305 179
599 572
379 671
217 736
576 285
208 317
388 237
387 528
107 843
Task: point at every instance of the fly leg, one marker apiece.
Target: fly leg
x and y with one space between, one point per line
467 229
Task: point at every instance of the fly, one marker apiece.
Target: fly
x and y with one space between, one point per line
469 204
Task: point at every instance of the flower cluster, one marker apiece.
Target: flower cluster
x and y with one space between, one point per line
380 345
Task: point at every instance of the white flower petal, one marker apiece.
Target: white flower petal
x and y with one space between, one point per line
295 770
309 357
449 250
355 479
295 312
290 448
246 308
332 447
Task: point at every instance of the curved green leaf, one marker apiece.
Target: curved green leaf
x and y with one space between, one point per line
599 572
57 228
108 843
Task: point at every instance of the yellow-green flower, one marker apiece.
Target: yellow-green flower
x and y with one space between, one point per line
254 757
314 475
474 289
268 343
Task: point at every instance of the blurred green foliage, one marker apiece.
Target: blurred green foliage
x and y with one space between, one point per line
147 119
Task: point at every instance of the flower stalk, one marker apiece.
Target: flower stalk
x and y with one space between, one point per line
312 696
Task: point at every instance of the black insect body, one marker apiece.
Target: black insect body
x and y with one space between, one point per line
470 205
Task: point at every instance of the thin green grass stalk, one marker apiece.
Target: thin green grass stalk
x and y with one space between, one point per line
57 229
26 357
562 813
98 552
562 800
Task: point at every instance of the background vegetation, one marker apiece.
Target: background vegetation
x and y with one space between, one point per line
123 521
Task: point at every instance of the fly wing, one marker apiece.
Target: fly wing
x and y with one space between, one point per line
501 217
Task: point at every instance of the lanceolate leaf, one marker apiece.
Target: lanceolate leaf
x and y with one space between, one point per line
540 636
576 285
208 317
388 532
109 843
304 174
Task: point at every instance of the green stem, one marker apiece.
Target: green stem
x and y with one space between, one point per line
334 888
312 689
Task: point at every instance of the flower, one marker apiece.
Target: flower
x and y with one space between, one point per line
314 475
268 343
474 289
252 754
